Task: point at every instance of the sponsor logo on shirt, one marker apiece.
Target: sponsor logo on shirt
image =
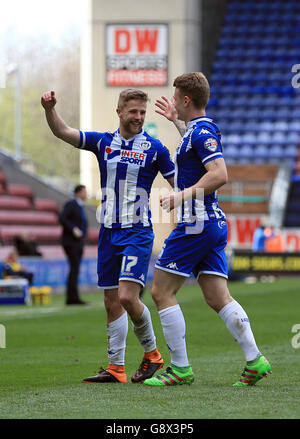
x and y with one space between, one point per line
172 265
133 157
211 144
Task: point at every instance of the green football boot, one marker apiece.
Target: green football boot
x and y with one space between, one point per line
258 369
171 378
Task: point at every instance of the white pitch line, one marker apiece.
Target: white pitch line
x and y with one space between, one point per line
42 312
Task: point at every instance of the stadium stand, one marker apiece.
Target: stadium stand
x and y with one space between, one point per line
19 190
18 214
248 192
252 96
21 212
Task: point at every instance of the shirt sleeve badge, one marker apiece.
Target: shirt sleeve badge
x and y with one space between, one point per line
211 144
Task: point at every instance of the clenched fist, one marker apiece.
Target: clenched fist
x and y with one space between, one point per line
48 100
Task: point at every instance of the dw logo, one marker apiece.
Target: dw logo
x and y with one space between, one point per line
2 337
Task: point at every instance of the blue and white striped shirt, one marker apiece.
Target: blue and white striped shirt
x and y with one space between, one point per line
200 144
127 170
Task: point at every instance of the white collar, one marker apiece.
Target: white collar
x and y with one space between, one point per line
194 121
141 133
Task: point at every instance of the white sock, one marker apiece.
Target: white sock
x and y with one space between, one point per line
173 325
117 333
143 329
239 327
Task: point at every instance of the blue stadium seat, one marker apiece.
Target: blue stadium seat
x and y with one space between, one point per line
287 90
296 96
250 125
248 65
292 137
256 101
283 113
279 137
223 122
261 151
295 113
217 77
230 151
291 151
229 90
225 42
284 101
233 139
267 113
266 126
237 126
246 151
232 66
225 101
222 113
264 137
258 89
231 79
240 101
248 138
281 125
270 101
294 125
251 114
277 151
259 109
243 89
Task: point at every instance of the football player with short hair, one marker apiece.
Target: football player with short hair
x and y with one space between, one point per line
197 244
129 160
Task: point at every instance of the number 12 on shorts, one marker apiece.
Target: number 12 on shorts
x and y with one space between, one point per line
127 263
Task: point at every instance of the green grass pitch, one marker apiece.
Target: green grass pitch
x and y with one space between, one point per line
50 349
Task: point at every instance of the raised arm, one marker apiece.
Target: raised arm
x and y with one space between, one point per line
166 108
57 125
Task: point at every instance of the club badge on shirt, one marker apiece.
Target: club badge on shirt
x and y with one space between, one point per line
211 144
145 145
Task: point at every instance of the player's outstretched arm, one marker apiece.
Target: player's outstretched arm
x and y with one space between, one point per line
165 107
57 125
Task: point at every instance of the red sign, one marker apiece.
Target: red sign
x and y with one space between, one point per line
145 40
137 54
241 229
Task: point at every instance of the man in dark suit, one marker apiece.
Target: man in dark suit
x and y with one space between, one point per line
74 222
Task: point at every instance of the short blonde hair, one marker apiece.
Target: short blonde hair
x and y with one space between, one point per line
195 86
131 93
